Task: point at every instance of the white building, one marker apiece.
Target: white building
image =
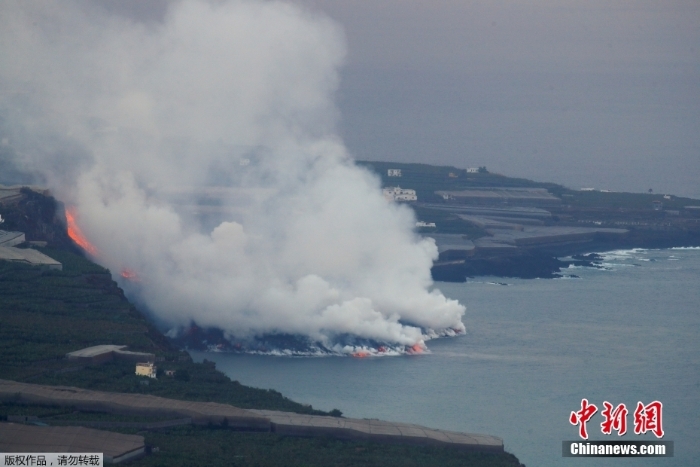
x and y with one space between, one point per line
394 172
473 170
396 193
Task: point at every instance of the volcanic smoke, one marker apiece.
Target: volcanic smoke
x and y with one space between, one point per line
201 151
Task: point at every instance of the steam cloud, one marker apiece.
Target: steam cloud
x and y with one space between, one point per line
133 123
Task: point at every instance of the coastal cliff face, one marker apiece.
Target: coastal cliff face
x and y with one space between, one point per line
35 213
549 262
486 224
526 265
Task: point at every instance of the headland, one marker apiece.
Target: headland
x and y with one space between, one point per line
486 224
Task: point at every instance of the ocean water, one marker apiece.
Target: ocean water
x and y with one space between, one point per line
533 350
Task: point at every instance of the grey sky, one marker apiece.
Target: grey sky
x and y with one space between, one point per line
587 93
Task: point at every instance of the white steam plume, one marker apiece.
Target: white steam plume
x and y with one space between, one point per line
129 122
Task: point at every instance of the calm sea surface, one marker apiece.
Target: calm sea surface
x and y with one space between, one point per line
533 350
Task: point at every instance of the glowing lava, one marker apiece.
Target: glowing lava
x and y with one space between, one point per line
76 234
129 275
361 354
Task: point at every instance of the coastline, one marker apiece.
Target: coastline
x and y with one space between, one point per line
548 263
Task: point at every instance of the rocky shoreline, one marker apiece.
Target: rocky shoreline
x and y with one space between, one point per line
548 263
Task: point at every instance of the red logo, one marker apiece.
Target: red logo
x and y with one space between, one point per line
646 418
582 416
614 419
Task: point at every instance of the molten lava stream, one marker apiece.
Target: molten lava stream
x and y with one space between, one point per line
76 234
129 275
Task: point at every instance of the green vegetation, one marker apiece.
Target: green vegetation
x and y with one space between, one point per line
213 446
193 446
427 179
55 413
75 265
46 314
41 411
205 385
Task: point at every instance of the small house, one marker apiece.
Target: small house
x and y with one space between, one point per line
146 369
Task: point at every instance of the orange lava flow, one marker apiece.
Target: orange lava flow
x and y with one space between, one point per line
76 234
129 274
361 354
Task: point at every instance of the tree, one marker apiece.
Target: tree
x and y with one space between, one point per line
182 375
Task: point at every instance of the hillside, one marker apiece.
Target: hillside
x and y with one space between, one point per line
427 179
45 314
490 224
